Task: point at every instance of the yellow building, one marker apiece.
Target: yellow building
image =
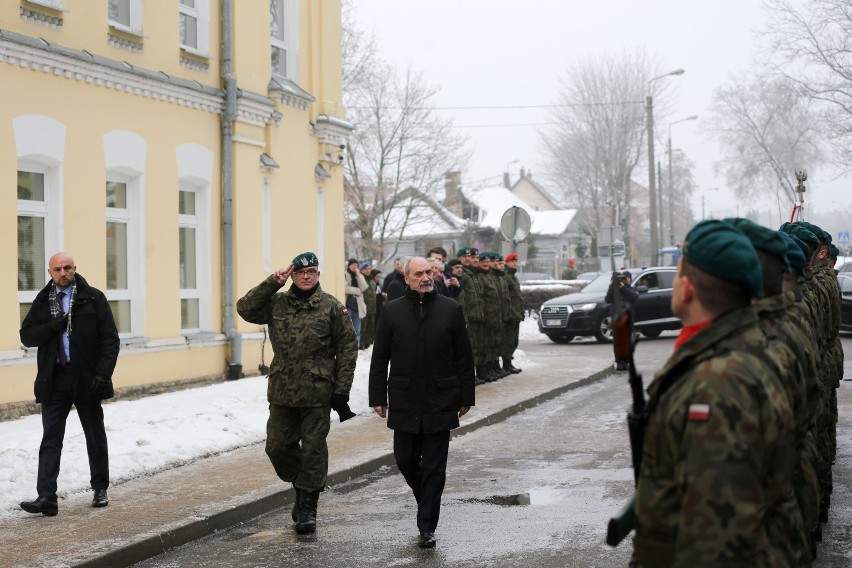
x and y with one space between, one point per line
180 150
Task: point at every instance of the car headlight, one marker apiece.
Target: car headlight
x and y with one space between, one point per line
584 307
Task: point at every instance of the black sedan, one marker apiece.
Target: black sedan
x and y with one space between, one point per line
586 313
846 302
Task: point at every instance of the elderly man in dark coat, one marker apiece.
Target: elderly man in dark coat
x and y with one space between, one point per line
431 385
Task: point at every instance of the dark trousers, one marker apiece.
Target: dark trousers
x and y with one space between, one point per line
422 461
54 414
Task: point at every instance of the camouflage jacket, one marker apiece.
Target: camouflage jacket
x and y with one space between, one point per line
313 341
471 299
505 300
516 299
714 487
490 297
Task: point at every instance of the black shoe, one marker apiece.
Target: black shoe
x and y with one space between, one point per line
307 522
427 540
41 505
100 499
297 503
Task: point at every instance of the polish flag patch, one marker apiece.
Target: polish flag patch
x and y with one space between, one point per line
699 412
345 312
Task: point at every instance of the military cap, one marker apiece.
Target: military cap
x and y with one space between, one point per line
762 238
802 246
715 247
822 236
494 256
305 260
462 251
453 262
807 237
484 255
795 257
786 227
834 251
511 256
474 251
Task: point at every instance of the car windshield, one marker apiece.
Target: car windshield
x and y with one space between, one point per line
599 284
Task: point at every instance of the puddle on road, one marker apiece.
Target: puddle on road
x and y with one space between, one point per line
535 497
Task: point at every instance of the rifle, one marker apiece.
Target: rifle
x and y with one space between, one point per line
624 345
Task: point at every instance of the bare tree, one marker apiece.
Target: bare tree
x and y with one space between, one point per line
399 152
765 126
810 45
597 144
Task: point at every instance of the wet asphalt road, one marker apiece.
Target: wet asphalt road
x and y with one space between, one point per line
535 490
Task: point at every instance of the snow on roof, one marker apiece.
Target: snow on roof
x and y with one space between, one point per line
493 202
426 217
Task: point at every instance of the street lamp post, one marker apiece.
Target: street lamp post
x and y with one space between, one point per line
703 191
652 190
671 179
507 177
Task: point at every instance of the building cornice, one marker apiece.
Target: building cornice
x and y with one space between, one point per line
80 65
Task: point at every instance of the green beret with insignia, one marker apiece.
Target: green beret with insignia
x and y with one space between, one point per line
821 235
484 256
716 247
495 256
462 251
762 238
305 260
807 237
833 251
795 257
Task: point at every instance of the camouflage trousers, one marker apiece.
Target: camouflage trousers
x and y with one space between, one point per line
306 464
476 332
509 343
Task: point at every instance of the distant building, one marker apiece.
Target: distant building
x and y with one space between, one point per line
112 120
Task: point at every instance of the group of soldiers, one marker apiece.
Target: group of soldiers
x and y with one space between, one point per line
741 422
490 296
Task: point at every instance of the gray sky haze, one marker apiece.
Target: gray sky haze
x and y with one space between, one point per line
501 53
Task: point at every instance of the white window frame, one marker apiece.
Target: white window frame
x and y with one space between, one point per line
290 44
135 9
132 217
48 210
202 256
201 13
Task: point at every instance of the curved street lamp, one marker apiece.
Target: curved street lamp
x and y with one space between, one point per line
652 190
671 180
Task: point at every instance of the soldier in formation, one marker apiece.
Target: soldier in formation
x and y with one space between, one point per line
740 432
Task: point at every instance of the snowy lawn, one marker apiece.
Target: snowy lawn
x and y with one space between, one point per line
160 432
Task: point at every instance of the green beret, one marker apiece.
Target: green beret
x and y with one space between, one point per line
484 256
826 238
305 260
762 238
821 235
462 251
722 251
834 251
495 256
802 246
785 227
807 237
795 256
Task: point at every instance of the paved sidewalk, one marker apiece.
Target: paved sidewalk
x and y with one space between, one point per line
150 515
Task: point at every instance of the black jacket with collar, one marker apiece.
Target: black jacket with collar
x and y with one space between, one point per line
93 346
431 363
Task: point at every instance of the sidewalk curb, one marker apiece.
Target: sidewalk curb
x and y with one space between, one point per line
165 541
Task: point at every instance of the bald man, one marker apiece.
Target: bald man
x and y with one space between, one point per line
71 324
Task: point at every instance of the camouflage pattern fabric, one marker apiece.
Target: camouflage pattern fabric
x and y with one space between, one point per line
305 465
714 487
313 341
472 296
516 299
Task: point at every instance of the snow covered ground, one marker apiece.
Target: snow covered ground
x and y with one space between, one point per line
160 432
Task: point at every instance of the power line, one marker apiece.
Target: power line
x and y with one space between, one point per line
505 107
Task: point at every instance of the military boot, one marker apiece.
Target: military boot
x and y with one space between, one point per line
296 504
495 366
507 365
480 374
307 522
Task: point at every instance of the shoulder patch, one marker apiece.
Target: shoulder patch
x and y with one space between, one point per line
345 312
698 412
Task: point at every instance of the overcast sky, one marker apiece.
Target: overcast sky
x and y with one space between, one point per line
509 53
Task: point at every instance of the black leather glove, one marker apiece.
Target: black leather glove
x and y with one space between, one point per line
59 323
340 404
102 387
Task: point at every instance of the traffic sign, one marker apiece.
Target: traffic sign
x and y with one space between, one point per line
515 224
843 237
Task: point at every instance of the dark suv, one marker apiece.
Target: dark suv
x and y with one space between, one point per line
586 313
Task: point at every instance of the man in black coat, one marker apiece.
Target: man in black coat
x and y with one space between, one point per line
431 385
72 325
395 282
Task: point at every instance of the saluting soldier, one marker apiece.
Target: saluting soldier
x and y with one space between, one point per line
714 487
315 352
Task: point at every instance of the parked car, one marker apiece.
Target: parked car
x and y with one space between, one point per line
527 276
846 302
586 312
845 268
588 276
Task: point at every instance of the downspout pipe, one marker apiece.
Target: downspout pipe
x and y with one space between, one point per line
235 365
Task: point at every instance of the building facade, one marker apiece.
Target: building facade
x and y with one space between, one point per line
179 157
